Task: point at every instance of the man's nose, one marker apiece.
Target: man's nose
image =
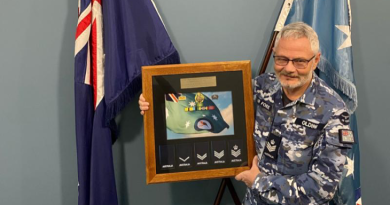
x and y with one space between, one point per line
289 67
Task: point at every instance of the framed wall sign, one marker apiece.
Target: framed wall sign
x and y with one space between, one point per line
200 121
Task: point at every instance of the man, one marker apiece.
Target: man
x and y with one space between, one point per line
301 127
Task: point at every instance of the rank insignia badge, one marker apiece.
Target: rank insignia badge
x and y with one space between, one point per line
218 148
346 136
272 146
236 151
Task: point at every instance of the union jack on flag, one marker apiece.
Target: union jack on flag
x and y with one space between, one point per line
134 35
94 152
89 36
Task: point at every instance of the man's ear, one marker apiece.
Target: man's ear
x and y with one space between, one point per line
316 60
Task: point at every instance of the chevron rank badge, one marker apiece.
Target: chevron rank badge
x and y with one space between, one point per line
272 146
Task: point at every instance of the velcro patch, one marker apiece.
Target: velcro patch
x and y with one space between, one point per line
308 124
346 136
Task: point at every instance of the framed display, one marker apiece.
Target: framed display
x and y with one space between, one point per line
200 120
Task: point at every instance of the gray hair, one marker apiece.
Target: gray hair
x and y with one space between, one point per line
299 30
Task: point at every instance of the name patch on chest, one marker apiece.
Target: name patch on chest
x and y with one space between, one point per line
308 124
265 105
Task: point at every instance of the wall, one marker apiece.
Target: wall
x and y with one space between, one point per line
37 141
370 41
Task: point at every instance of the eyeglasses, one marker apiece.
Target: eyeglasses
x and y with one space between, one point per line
297 62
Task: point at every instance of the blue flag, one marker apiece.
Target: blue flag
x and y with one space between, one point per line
107 76
331 19
134 36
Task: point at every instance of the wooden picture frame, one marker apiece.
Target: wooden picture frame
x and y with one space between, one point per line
199 100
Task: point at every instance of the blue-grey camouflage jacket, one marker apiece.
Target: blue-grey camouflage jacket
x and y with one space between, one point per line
307 165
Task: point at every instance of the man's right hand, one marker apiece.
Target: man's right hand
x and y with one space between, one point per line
143 105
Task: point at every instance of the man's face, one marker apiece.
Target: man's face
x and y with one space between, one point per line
291 77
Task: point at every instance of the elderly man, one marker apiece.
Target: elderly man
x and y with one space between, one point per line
301 131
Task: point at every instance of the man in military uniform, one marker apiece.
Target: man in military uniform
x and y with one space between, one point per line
301 128
301 131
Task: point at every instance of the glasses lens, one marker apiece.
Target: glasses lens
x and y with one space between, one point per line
300 63
281 61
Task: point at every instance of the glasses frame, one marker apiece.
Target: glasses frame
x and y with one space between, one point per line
294 61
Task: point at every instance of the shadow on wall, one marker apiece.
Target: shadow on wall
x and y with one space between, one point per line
65 96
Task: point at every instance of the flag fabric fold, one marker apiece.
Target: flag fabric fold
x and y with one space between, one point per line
134 36
331 19
93 136
108 62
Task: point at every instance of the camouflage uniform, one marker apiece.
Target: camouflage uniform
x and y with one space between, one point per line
310 158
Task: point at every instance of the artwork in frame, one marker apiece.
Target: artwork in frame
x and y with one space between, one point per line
200 120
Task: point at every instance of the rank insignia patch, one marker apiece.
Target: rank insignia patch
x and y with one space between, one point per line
236 152
346 136
167 156
272 146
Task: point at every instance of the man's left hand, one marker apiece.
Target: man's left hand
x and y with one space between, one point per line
249 176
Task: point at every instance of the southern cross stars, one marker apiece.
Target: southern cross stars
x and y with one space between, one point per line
349 166
347 31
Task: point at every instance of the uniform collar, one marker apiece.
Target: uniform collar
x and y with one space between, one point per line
308 96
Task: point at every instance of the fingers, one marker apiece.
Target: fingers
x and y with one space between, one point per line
141 98
249 176
255 166
243 177
238 177
143 105
255 161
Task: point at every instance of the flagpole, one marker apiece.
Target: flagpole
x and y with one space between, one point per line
279 25
267 55
226 182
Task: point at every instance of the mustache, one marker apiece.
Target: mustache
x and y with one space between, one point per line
288 74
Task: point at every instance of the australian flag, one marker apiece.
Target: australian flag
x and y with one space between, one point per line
108 62
332 19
